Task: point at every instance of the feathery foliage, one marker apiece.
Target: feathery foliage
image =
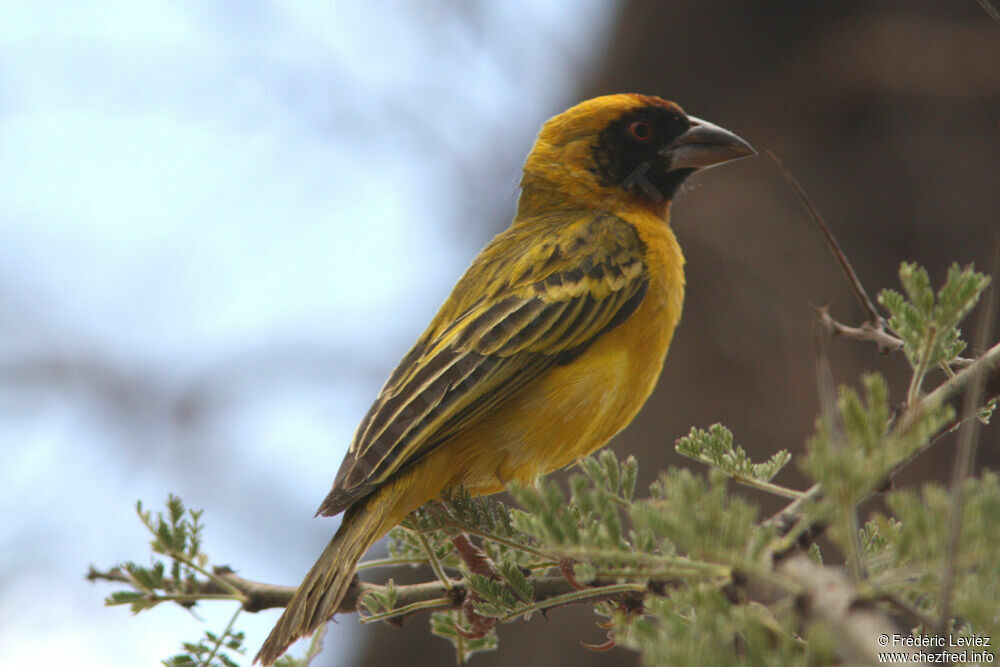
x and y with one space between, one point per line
684 571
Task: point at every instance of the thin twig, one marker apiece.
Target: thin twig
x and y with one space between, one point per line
588 595
671 565
547 592
886 341
866 332
254 595
787 517
409 609
221 638
767 487
388 562
433 560
990 10
852 278
953 391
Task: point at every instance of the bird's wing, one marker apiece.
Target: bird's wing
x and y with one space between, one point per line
523 307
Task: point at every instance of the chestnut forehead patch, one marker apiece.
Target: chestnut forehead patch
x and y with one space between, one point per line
653 101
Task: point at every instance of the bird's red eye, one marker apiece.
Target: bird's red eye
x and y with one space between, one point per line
640 130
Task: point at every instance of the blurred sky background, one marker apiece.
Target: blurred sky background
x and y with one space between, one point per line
222 223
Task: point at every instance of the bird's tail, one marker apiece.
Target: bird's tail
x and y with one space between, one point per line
321 592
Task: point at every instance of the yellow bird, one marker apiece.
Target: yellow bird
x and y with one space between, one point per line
547 346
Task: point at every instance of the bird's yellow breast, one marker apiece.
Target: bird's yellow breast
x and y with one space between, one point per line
574 409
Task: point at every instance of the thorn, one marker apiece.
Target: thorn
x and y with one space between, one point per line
566 568
470 634
602 647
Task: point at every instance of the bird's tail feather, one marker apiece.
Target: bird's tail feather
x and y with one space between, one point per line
321 592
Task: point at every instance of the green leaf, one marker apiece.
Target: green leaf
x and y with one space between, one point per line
715 448
517 581
928 322
445 624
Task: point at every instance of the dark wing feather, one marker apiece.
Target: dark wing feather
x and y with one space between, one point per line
522 308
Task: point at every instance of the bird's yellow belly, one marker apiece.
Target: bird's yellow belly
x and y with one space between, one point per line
573 409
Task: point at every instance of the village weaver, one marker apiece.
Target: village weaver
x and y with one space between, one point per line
546 348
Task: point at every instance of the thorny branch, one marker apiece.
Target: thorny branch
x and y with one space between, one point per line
555 591
827 595
886 342
874 329
824 593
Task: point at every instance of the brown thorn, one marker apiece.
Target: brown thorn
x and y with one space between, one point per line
602 647
469 634
566 569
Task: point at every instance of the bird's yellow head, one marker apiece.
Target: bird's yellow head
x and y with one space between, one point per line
620 152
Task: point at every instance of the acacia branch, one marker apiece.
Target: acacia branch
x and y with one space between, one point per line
990 10
867 332
257 596
827 596
824 594
952 393
261 596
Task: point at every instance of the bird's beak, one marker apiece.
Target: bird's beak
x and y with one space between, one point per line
705 145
